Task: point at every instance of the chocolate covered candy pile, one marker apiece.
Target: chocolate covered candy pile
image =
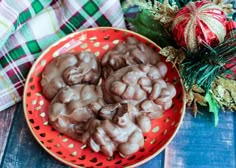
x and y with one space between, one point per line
131 52
118 132
112 116
69 69
143 86
73 106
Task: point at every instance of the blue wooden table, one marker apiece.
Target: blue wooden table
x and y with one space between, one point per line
198 144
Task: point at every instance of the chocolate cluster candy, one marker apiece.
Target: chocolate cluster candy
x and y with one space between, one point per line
80 112
141 85
73 106
113 116
69 69
118 132
131 52
109 111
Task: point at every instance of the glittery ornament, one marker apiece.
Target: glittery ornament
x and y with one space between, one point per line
224 92
199 22
176 56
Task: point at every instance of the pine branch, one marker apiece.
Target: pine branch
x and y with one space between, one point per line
203 66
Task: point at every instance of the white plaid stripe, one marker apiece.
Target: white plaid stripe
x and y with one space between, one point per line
43 19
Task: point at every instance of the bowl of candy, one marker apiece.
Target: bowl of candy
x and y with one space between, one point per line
103 97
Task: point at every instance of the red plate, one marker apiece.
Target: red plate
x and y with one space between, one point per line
72 152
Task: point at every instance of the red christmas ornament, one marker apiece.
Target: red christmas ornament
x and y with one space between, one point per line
199 22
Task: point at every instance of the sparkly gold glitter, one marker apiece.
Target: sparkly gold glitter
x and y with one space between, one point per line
176 56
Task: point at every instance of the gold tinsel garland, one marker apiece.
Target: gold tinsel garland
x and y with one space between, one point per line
224 92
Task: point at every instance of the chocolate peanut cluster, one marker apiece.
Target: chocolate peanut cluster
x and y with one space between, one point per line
112 116
118 133
69 69
73 106
143 86
131 52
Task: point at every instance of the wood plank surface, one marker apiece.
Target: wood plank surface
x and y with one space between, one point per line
199 144
22 150
6 118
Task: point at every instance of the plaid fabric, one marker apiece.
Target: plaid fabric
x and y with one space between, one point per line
231 32
27 27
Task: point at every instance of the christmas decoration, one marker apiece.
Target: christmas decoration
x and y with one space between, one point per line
204 50
146 25
162 12
199 22
207 64
172 54
226 7
224 92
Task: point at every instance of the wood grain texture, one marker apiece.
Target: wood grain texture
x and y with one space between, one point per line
6 118
157 162
22 150
200 144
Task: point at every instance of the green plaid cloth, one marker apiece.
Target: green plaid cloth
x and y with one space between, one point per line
27 27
